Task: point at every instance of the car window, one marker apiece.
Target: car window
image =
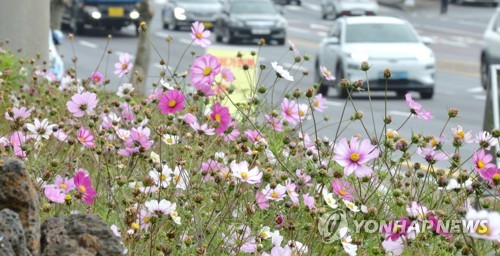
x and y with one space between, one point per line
380 33
252 8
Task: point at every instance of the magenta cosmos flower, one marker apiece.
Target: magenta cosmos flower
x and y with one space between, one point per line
227 75
204 70
416 108
17 114
328 76
353 155
172 101
220 115
343 189
85 137
96 77
83 185
492 175
123 65
200 35
482 160
82 103
290 111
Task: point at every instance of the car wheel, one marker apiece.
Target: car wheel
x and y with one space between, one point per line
281 41
339 74
485 73
427 94
218 38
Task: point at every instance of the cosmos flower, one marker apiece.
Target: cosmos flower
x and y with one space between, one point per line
54 194
171 102
82 103
42 129
160 207
96 77
220 115
200 35
431 155
459 134
83 185
274 122
482 160
353 156
396 229
290 111
346 241
417 211
281 72
486 140
125 90
416 108
240 171
486 226
240 239
328 76
319 103
202 129
492 175
163 178
85 137
204 70
275 194
343 189
227 75
124 65
17 114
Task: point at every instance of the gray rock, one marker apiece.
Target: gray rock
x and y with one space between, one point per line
12 240
18 194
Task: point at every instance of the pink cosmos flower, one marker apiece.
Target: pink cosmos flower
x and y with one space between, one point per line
65 184
353 155
82 103
17 139
416 108
486 140
274 122
304 179
189 118
220 115
54 194
240 240
275 194
328 76
139 137
416 211
253 135
96 77
279 251
227 75
204 70
124 65
262 201
85 137
437 227
290 111
17 114
205 90
396 229
172 101
393 247
309 201
279 220
343 189
83 185
240 171
202 129
127 113
290 191
234 133
200 35
158 92
482 160
459 134
431 155
319 103
492 175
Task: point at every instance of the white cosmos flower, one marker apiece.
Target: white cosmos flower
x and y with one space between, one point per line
485 225
125 90
163 178
281 71
163 206
170 139
351 205
41 129
346 240
330 201
123 134
154 157
175 216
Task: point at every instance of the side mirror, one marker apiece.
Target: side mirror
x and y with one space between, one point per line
332 40
427 40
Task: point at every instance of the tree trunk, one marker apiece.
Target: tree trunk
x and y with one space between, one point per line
143 53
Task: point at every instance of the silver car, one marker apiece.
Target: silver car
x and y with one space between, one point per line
177 13
337 8
385 43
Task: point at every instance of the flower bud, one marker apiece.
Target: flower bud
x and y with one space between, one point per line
453 112
387 73
365 66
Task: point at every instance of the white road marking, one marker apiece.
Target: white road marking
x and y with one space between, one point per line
306 31
334 104
293 8
320 27
476 89
398 113
480 97
162 34
88 44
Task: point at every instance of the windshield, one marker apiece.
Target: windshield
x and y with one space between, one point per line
252 8
380 33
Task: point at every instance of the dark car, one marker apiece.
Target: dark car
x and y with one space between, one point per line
177 13
287 2
247 20
110 14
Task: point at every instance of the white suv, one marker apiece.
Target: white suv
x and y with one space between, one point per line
490 54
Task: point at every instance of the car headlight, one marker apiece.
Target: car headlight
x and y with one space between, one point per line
423 55
180 13
359 56
237 23
92 11
134 14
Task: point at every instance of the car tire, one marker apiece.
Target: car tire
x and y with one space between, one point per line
339 74
218 38
485 72
280 41
165 25
428 94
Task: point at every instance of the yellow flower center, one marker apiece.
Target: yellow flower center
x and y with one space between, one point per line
496 176
344 240
199 35
67 197
342 192
217 117
81 139
480 164
354 157
434 142
390 135
461 134
301 113
169 140
82 189
176 178
63 186
397 228
244 175
96 79
207 71
135 226
163 177
483 230
172 103
174 214
315 103
274 195
147 219
124 66
327 73
288 111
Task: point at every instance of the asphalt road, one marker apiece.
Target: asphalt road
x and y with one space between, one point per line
457 40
